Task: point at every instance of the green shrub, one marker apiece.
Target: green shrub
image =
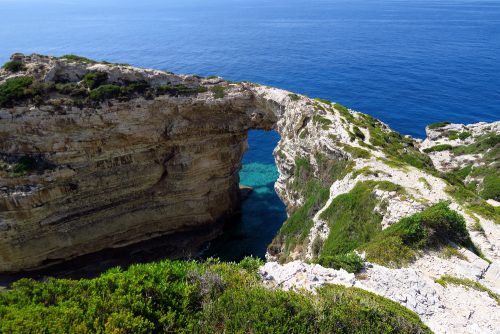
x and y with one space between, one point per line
14 66
71 89
14 89
24 165
447 279
78 59
325 122
294 97
179 89
93 80
218 91
434 227
104 92
351 219
438 125
358 133
438 148
190 297
350 262
491 187
356 152
464 135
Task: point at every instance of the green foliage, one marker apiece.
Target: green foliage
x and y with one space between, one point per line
351 219
190 297
437 125
356 152
351 262
24 165
180 89
473 202
449 251
491 187
438 148
104 92
14 89
71 89
447 279
218 91
78 59
434 227
314 187
93 80
14 66
464 135
294 97
358 133
452 135
325 122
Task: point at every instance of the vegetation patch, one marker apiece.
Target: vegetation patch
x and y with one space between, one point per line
351 219
313 186
449 251
447 279
105 92
218 91
438 125
14 89
491 187
350 262
325 122
438 148
190 297
14 66
78 59
294 97
180 89
93 80
356 152
434 227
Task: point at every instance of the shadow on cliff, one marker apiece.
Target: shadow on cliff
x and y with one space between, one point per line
246 233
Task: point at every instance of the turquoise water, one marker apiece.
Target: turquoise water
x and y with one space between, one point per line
407 62
262 213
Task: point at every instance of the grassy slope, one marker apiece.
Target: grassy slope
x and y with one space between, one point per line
190 297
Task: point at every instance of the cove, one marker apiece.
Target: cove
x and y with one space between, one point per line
262 213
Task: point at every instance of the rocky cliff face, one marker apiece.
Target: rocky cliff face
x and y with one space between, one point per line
82 174
100 155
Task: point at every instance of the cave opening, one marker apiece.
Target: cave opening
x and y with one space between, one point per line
262 212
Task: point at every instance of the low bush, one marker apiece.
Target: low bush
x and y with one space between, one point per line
180 89
78 59
438 125
24 165
190 297
350 262
491 187
104 92
434 227
13 66
93 80
218 91
14 89
447 279
438 148
294 97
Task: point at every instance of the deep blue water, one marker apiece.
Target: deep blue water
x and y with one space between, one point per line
409 62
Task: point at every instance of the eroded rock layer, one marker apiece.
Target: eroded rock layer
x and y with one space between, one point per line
77 179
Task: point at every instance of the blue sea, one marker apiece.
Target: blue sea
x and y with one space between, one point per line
409 63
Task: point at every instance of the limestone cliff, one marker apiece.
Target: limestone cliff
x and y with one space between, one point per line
99 155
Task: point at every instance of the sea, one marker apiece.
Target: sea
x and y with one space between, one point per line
406 62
